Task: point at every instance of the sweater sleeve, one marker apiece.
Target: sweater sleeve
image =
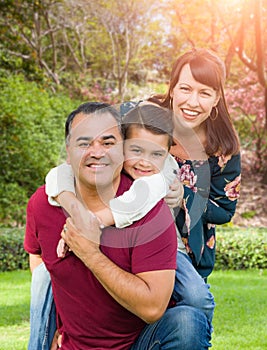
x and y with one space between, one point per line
59 179
143 195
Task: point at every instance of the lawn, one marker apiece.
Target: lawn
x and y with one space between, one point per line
240 317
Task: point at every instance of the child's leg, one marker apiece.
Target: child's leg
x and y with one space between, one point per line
190 288
42 310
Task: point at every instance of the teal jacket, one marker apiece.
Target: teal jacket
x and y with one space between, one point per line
211 190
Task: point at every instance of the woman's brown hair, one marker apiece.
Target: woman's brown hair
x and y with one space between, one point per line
208 69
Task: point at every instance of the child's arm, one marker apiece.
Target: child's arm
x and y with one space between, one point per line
144 194
134 204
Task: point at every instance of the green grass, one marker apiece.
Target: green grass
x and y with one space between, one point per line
240 318
14 310
239 323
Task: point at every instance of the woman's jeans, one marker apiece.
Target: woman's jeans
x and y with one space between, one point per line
42 310
185 326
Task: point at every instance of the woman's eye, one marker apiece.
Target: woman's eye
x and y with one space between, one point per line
206 94
184 88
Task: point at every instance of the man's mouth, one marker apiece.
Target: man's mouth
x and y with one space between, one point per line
96 166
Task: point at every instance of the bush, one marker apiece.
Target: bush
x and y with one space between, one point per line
237 249
243 248
12 253
32 138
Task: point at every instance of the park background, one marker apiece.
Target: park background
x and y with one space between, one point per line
55 54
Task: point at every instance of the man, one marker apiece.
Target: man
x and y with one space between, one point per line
113 287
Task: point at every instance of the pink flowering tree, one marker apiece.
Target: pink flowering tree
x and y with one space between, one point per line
247 107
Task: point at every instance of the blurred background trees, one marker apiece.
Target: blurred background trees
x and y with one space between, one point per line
56 53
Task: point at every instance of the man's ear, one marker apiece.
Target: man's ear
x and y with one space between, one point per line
68 156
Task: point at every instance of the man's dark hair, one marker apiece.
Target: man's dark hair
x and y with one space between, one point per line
90 108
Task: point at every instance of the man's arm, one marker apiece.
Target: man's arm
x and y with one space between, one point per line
34 260
145 294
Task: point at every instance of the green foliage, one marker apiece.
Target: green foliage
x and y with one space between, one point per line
12 253
32 138
239 249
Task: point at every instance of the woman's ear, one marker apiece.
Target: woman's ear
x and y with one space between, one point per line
217 100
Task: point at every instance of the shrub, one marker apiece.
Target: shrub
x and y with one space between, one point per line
243 248
12 253
237 249
32 138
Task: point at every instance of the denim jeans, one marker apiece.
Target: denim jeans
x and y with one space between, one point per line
181 327
185 326
190 288
42 310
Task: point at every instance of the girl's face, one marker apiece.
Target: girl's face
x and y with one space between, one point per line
144 152
192 101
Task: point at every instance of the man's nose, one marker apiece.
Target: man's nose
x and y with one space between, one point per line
97 151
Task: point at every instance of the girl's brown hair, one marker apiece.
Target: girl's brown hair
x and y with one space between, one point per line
157 120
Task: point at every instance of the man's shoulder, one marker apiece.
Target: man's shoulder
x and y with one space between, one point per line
125 183
38 195
39 200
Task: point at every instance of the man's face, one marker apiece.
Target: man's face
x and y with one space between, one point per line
95 150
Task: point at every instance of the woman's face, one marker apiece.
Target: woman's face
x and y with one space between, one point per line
192 101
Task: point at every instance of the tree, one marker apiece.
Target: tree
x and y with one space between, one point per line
30 29
126 22
249 44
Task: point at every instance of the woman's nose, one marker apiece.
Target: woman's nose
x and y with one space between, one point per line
192 100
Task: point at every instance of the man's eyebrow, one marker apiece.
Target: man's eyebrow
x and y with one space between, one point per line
84 138
107 137
87 138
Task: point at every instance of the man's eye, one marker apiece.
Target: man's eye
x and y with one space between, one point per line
109 143
84 145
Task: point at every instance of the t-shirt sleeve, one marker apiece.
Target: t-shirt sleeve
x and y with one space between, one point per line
31 244
156 245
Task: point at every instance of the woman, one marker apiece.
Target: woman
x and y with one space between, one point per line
206 148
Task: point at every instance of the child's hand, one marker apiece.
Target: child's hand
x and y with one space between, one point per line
62 248
175 195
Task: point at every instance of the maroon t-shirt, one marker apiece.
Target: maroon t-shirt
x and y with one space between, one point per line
89 317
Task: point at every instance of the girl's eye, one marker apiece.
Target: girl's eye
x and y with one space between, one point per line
157 155
136 150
